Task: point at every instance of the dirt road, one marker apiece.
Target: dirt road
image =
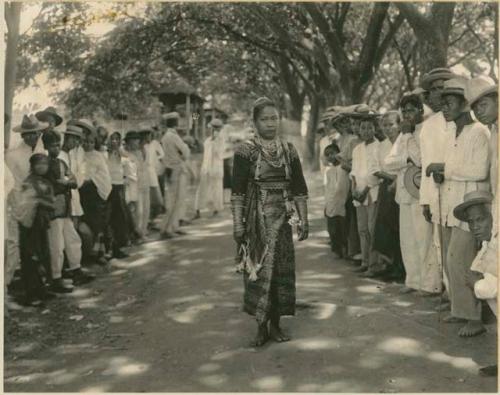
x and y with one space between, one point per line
169 319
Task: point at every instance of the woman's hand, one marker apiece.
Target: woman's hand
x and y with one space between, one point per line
303 230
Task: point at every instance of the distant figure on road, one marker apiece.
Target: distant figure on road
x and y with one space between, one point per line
210 190
268 184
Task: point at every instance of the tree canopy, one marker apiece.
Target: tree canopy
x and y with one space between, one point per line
297 53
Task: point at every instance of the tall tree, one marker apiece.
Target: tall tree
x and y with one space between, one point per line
432 25
12 19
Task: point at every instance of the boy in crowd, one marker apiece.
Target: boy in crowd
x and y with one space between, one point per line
336 192
62 236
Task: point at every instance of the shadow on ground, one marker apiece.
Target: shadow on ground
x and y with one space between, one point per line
170 320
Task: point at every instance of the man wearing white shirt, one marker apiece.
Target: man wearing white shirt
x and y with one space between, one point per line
176 162
415 232
365 188
483 98
483 276
18 159
465 169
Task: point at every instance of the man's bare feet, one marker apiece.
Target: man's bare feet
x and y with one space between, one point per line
453 320
406 290
471 329
277 334
444 306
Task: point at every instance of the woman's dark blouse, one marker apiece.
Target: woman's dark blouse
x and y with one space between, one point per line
244 164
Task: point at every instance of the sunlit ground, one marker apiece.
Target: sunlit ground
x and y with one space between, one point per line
169 319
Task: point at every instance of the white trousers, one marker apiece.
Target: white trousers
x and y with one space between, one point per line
143 210
176 201
419 253
210 194
63 237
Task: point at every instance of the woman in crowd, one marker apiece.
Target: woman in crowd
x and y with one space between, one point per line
118 213
386 232
267 180
210 192
95 191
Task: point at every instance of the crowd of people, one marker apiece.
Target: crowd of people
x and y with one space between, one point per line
79 195
410 194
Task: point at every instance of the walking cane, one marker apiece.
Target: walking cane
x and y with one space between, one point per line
441 250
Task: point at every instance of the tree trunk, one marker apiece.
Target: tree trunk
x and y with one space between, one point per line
12 17
311 151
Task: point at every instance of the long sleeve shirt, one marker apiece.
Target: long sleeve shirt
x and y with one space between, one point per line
18 161
74 160
466 169
362 170
405 147
176 151
486 262
433 143
336 191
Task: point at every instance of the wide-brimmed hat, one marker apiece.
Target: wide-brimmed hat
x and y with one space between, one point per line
440 73
30 124
455 86
412 179
84 124
49 111
216 123
74 131
476 88
472 199
361 111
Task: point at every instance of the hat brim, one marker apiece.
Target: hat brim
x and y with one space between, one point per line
362 116
85 126
70 132
20 129
42 116
409 181
460 211
427 81
453 92
490 90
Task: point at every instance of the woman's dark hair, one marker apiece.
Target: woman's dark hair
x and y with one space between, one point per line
91 133
259 105
411 99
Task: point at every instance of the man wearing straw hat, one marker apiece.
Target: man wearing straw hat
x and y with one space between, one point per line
17 159
50 116
176 162
482 96
483 276
465 169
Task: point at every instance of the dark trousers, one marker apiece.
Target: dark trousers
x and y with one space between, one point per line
338 233
35 258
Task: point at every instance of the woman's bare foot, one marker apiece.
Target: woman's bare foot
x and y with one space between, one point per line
262 336
277 334
471 329
406 290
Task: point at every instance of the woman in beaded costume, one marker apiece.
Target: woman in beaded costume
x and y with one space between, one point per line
267 187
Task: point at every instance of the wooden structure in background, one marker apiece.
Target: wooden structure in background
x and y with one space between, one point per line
180 96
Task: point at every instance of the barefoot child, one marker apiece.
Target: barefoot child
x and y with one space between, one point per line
336 191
